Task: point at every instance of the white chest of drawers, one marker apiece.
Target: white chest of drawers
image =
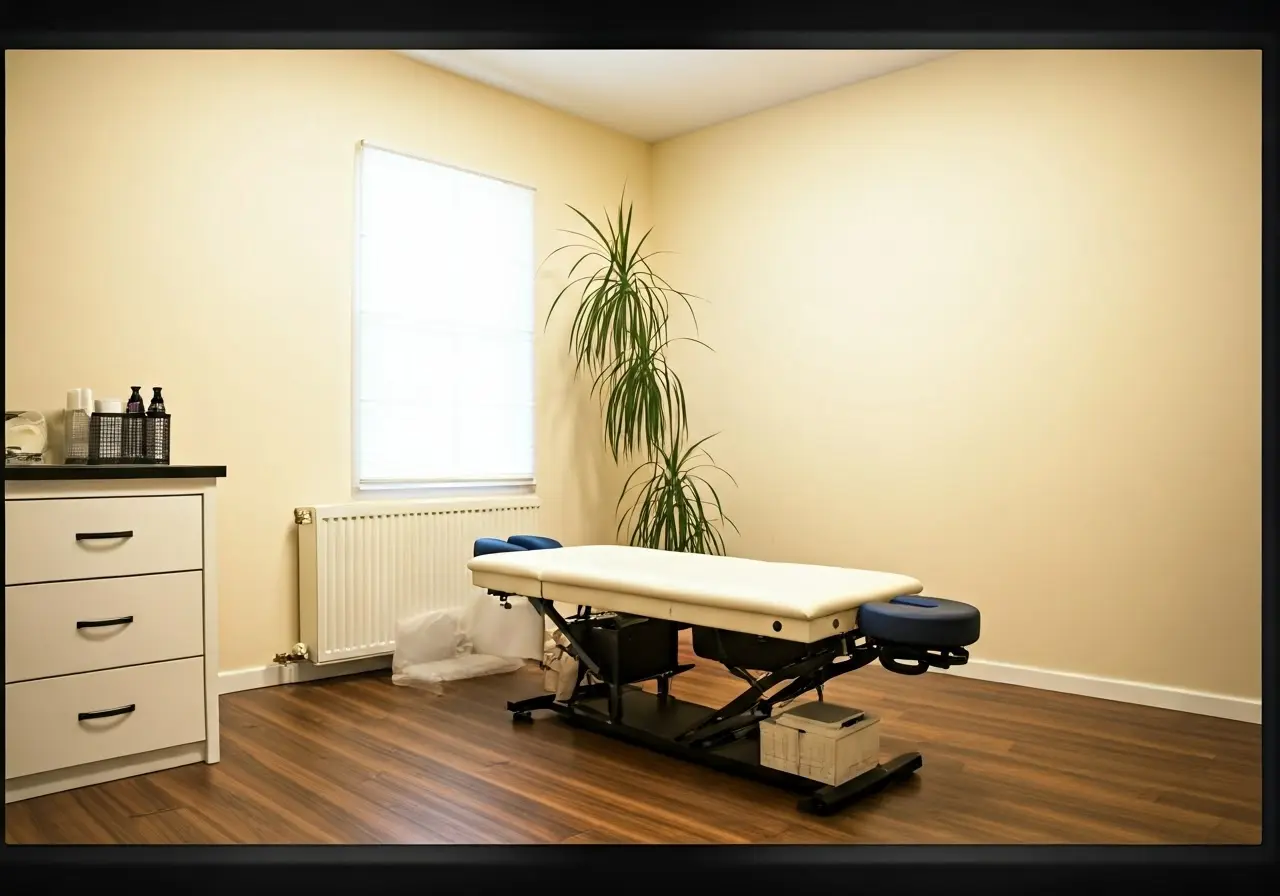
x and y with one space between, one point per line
111 624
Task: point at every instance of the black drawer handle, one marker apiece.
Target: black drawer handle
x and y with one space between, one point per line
93 536
104 713
98 623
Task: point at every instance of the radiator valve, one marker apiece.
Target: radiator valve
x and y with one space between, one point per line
296 654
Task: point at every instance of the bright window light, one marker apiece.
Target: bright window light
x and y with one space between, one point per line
443 326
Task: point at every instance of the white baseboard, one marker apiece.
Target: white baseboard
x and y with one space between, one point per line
265 676
1241 709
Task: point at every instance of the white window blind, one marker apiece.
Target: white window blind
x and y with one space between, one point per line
444 326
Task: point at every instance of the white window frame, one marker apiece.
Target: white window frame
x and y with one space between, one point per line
411 489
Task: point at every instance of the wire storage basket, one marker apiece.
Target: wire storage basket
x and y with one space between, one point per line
155 449
77 436
106 433
132 438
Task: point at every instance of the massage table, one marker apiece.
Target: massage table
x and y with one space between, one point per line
784 628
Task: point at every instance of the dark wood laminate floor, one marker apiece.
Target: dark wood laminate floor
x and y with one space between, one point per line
361 760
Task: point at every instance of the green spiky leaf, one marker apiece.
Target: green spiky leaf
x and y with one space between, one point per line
618 337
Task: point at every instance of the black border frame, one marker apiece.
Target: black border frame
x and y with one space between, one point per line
1223 25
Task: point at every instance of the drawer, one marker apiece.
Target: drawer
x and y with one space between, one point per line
56 628
85 538
163 706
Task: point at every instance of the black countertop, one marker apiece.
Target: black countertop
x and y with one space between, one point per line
87 472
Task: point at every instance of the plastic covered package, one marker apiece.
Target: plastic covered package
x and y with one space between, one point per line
431 636
436 646
495 630
430 676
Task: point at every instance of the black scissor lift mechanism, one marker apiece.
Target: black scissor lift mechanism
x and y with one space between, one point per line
621 652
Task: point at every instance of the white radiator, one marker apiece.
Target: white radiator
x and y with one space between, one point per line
363 566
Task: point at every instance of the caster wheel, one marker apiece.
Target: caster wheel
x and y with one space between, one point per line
522 716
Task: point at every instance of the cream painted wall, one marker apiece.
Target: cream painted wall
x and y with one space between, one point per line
185 219
994 322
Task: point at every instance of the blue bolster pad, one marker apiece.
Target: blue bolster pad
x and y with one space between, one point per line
534 542
914 600
493 546
920 621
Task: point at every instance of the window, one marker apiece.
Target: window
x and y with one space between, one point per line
443 370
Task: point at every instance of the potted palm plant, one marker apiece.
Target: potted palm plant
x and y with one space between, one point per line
619 338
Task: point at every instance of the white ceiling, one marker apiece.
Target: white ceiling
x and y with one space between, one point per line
658 94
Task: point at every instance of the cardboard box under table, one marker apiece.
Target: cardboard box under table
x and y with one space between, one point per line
821 741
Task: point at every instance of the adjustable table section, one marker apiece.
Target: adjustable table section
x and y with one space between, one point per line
785 629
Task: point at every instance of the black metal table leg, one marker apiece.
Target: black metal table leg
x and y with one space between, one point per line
520 709
615 702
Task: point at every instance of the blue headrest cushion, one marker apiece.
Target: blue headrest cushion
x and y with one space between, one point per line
912 600
534 542
932 622
493 546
